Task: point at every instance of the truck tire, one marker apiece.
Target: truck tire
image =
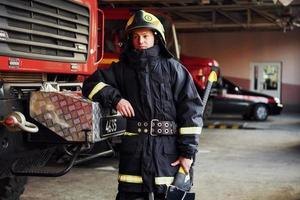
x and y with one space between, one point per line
11 188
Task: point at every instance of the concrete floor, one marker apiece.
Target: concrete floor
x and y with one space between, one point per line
232 164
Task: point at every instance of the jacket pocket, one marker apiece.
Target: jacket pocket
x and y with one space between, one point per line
169 155
170 146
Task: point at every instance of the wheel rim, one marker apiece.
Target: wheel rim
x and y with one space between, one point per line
261 112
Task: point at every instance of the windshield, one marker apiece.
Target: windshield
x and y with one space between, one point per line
231 87
114 35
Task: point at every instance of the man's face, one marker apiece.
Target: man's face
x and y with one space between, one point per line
142 38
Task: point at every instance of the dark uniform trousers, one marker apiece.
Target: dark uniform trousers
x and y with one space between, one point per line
138 196
145 164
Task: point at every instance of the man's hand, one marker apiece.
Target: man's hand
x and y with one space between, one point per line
184 162
125 108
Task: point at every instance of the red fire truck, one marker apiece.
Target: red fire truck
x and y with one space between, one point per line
46 49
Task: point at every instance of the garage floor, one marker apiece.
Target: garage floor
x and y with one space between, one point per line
233 164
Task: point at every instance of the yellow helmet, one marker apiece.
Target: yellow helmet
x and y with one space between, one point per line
143 19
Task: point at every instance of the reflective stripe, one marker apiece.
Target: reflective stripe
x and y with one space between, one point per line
190 130
164 180
109 60
181 170
138 179
129 134
130 178
96 89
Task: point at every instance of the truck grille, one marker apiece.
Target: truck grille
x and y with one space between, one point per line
56 30
18 77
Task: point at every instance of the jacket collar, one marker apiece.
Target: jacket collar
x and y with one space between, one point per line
139 59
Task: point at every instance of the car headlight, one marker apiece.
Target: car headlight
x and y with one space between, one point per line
277 100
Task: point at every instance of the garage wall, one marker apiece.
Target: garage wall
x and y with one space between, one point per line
236 50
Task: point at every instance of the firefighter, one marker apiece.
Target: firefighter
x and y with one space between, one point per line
163 109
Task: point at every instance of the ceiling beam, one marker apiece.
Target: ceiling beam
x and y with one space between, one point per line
149 1
221 14
210 25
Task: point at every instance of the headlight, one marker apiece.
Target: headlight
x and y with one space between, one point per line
277 100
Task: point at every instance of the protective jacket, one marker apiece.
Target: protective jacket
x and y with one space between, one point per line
160 89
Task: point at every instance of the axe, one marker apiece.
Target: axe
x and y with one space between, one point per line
179 189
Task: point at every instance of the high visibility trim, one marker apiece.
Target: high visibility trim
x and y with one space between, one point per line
129 134
190 130
108 61
96 89
164 180
181 170
130 178
138 179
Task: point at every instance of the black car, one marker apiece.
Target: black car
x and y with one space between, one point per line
228 98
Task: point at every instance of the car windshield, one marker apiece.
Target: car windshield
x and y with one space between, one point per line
231 87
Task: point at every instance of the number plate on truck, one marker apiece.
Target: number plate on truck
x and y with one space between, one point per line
112 125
